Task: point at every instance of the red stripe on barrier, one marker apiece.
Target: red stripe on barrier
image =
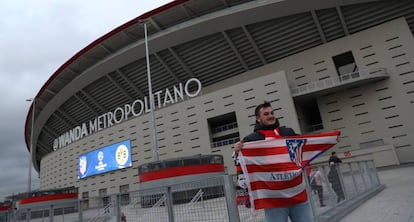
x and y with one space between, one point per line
5 208
48 198
181 171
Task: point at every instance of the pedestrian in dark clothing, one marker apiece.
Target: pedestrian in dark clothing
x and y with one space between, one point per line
334 159
123 217
333 176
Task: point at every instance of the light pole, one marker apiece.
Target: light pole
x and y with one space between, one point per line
29 182
152 105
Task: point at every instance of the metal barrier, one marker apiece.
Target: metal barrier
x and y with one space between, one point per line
212 200
53 211
355 183
5 216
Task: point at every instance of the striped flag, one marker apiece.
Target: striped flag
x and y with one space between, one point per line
274 167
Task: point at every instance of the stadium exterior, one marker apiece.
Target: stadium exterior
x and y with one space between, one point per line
324 65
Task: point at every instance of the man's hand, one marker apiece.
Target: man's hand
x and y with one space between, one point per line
238 146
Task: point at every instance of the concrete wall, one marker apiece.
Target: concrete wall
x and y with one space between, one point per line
375 111
182 130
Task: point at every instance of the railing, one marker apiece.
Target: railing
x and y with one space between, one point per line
99 215
225 142
178 203
314 128
198 196
5 215
153 210
339 80
200 200
224 127
134 203
356 182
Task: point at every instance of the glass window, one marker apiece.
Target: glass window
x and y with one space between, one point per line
124 188
345 64
216 159
102 192
173 163
85 195
191 161
143 169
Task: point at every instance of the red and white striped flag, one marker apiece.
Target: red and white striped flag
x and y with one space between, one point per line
274 167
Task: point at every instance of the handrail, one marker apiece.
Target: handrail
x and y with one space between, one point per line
225 142
134 203
162 199
99 214
314 128
197 196
224 127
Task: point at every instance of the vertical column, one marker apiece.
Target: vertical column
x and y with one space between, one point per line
28 215
341 180
117 207
169 202
371 180
308 191
230 194
374 171
353 177
361 170
80 210
52 213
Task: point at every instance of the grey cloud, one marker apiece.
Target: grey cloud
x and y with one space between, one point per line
36 38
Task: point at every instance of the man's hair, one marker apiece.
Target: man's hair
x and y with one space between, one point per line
333 153
260 106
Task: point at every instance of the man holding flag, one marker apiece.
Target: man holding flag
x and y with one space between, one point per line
272 159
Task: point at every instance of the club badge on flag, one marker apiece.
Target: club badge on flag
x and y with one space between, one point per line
295 150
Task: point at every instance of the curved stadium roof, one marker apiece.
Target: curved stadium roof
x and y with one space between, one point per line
211 40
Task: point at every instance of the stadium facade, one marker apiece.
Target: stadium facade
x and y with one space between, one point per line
324 65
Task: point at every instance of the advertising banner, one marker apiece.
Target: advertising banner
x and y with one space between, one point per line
109 158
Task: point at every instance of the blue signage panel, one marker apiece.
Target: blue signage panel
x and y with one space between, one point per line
113 157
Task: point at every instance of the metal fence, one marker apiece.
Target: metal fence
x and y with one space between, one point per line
212 200
356 182
53 211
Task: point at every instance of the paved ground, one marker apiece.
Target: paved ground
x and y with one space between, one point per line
393 204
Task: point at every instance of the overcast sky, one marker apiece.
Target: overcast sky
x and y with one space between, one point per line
36 38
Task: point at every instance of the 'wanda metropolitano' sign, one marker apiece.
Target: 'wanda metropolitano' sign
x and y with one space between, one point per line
162 98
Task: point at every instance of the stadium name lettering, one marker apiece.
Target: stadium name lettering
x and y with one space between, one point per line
162 98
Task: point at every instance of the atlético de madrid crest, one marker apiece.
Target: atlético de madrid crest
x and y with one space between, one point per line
294 147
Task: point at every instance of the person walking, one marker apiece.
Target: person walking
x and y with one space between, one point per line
123 217
333 176
334 159
316 181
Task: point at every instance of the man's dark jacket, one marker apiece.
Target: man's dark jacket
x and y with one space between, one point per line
283 131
